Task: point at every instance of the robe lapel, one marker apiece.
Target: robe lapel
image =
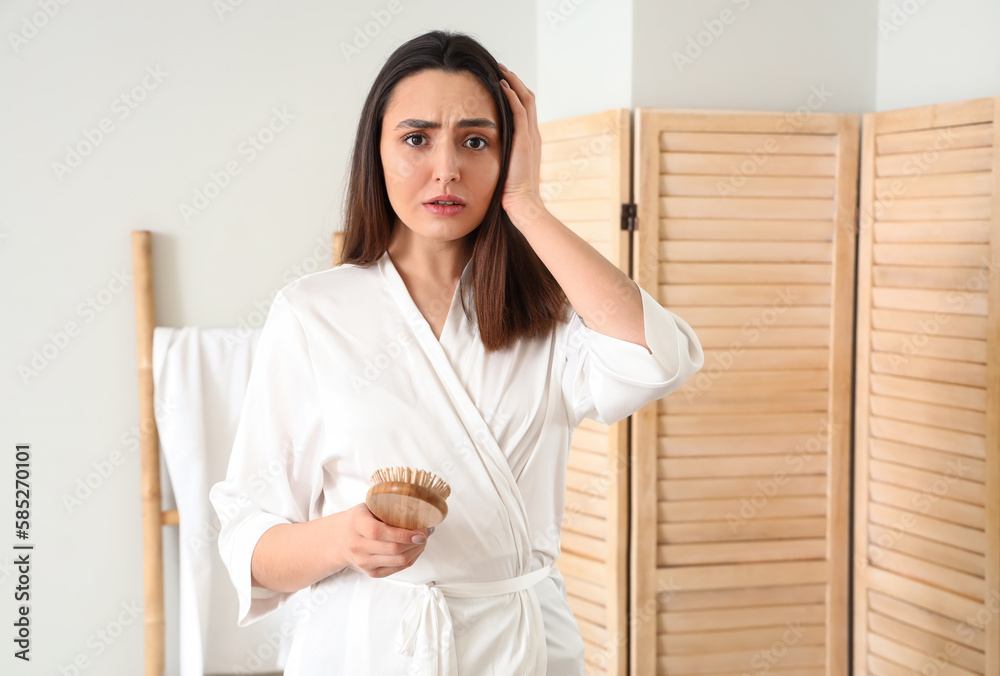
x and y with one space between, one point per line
479 432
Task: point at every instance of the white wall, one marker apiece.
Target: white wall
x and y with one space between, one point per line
584 57
63 240
755 55
723 54
935 52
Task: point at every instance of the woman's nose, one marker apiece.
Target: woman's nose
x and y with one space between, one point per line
446 163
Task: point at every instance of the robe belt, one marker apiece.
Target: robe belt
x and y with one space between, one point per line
427 620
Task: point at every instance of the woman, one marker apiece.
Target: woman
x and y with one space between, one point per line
466 333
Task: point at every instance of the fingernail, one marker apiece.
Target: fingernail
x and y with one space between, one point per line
504 83
419 539
502 66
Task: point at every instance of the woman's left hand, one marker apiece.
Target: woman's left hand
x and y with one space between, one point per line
523 176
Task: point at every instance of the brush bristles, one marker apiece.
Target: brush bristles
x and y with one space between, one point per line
412 476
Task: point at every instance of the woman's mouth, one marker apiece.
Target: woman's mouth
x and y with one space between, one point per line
444 208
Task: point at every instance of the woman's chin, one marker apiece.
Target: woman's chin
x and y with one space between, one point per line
443 231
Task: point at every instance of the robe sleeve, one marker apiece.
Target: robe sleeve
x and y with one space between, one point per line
607 379
271 478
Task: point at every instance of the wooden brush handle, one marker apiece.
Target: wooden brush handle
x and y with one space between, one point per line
406 505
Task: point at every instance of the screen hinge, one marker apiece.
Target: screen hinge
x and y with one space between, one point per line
629 217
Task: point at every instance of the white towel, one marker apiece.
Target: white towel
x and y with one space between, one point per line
200 378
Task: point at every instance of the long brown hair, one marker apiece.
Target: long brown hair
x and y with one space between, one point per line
514 293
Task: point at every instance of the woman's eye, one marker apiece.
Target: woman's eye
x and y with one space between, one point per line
481 143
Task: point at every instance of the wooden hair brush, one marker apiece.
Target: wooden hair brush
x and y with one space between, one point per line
408 498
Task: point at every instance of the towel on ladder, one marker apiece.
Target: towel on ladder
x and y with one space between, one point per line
200 378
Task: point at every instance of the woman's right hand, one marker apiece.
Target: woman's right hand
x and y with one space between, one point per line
362 541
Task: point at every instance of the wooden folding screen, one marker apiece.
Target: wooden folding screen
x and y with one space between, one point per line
740 479
927 517
584 182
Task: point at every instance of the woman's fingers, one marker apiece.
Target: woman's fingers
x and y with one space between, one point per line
382 548
386 571
523 95
383 532
402 559
523 178
380 565
369 527
379 549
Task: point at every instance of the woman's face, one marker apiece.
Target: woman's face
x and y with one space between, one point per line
440 136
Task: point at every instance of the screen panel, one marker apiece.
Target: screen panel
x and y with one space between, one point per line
740 494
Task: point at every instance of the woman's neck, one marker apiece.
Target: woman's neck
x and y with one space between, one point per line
427 260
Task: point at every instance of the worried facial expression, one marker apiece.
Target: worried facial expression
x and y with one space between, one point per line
440 141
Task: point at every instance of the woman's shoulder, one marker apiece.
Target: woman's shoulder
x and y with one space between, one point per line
343 283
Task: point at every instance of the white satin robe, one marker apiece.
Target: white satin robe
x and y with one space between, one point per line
347 378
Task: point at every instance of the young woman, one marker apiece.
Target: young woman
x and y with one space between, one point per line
467 333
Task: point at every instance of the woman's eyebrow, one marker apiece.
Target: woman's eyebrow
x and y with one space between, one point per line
411 123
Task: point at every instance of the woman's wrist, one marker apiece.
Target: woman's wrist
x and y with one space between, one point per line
524 212
292 556
327 534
